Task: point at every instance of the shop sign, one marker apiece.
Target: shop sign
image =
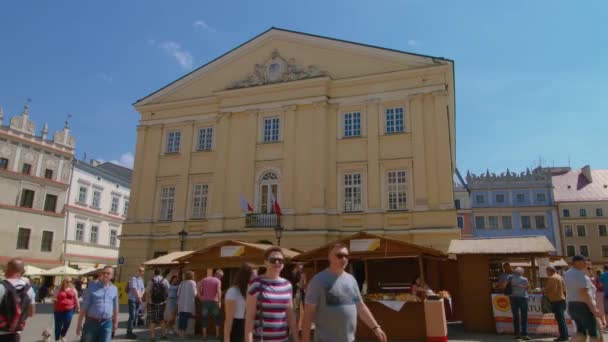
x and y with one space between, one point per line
232 251
543 263
538 323
364 245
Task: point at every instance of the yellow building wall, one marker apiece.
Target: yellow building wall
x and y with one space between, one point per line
310 157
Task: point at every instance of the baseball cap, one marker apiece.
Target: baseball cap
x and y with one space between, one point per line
579 258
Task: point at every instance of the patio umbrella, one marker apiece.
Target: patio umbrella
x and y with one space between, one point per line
61 271
32 271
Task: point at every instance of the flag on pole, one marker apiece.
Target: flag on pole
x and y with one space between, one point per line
275 205
245 205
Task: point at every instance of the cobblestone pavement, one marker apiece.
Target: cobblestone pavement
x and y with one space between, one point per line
44 319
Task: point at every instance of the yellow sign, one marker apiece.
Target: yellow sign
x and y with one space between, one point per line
232 251
364 245
502 303
122 292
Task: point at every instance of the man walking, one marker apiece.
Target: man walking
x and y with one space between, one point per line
100 309
581 301
333 302
210 295
17 301
519 304
156 299
136 291
554 290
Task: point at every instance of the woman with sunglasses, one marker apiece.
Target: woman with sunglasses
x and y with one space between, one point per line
66 301
234 304
269 313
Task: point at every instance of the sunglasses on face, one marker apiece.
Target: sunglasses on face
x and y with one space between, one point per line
342 256
106 273
276 260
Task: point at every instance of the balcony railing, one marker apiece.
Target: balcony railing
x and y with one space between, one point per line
262 220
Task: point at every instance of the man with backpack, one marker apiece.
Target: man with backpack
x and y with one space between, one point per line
17 301
156 298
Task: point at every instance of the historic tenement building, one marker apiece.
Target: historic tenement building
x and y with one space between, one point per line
346 137
582 201
512 204
462 203
34 179
97 206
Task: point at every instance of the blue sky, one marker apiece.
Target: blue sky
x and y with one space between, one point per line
530 75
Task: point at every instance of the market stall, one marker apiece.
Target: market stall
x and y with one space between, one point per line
385 269
480 264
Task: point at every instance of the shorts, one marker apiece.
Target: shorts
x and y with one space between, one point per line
155 313
210 308
586 323
182 320
605 305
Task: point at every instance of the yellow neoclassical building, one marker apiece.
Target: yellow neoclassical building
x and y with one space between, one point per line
346 136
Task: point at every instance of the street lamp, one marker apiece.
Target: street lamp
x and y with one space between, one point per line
183 234
278 233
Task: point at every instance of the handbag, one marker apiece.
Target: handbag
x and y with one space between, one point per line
546 305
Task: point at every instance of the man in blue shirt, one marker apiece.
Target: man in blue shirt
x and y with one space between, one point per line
581 300
604 281
519 304
100 308
136 291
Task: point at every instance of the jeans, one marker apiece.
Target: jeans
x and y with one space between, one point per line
62 323
95 331
558 308
519 309
133 307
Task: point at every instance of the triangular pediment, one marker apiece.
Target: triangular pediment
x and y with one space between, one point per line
278 56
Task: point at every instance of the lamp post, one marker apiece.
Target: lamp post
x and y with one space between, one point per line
183 234
278 233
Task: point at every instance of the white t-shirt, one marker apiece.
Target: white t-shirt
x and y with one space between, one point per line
234 294
17 284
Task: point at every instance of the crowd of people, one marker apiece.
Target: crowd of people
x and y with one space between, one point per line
580 292
259 305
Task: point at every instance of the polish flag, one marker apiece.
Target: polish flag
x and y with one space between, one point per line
275 204
245 205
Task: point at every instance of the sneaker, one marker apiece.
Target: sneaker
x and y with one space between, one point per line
517 337
131 336
525 338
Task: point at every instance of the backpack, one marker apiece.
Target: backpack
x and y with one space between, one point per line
509 288
159 291
14 308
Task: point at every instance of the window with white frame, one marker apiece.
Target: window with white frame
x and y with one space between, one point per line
115 204
94 235
271 129
582 213
568 230
460 222
570 251
82 194
352 124
604 251
541 198
205 139
199 200
599 212
479 199
540 221
47 241
394 120
173 141
500 198
397 189
480 222
520 198
601 229
352 192
96 203
79 232
493 222
526 222
581 231
113 237
126 208
566 213
23 238
507 223
583 250
167 200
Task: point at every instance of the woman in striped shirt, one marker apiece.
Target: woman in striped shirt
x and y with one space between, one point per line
269 313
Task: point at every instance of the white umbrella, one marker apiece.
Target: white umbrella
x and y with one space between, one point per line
61 271
86 270
33 271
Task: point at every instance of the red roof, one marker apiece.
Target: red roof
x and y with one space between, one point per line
574 186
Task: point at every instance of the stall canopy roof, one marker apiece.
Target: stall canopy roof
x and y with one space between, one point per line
387 247
510 245
167 259
255 246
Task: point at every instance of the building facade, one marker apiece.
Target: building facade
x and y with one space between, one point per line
97 206
34 179
582 202
512 204
346 137
462 203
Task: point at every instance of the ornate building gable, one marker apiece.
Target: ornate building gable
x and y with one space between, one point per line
535 176
64 137
276 70
22 122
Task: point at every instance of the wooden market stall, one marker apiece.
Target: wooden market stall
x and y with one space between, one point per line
479 265
385 269
169 263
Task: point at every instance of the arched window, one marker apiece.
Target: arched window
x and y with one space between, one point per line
269 188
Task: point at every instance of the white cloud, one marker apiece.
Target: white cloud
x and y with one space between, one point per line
105 77
174 49
201 24
412 42
126 159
